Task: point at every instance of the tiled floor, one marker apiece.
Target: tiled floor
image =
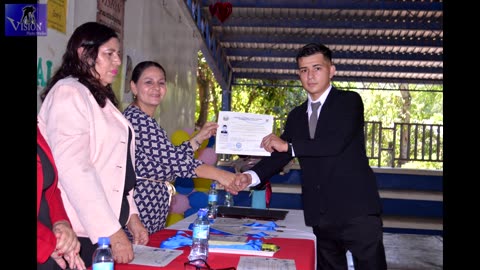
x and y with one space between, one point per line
412 251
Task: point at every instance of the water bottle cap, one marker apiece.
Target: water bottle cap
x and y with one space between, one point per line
213 185
202 212
103 241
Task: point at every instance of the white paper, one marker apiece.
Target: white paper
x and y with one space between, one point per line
232 225
258 263
241 251
242 133
220 239
151 256
234 230
224 221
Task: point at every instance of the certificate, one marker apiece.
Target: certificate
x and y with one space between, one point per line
255 263
242 133
159 257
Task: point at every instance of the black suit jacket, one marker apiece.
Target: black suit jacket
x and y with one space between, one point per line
337 180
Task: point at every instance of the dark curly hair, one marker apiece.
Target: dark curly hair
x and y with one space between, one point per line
90 36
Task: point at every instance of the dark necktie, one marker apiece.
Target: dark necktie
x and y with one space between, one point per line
312 124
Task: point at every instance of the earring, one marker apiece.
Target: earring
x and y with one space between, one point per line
134 96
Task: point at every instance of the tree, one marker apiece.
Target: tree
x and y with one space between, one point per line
204 83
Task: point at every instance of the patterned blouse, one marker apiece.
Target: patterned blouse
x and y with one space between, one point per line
155 156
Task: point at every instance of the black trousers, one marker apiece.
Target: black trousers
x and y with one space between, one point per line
50 264
362 236
86 250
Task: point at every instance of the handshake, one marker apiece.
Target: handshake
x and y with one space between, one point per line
237 182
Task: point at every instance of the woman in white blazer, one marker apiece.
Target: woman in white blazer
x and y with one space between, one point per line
92 143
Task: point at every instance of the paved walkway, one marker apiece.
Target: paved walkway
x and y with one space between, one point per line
412 252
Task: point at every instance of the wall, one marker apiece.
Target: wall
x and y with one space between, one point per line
50 49
153 30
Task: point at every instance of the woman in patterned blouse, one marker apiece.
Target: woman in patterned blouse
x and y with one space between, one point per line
157 159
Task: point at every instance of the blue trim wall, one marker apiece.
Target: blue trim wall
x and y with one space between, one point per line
412 208
410 182
393 180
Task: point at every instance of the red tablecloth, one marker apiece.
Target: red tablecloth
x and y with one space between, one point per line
301 250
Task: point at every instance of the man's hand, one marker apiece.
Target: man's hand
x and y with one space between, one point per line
272 143
243 180
227 180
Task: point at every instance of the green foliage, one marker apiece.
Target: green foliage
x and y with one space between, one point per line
264 97
386 105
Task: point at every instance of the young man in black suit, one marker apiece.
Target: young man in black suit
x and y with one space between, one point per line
339 189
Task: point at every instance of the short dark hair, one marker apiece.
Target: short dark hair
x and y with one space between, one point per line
313 48
140 67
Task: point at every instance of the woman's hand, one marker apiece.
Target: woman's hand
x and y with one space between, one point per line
74 261
207 131
67 241
122 248
227 180
139 232
58 258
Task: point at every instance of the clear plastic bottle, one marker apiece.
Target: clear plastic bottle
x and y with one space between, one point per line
228 199
200 236
102 256
212 201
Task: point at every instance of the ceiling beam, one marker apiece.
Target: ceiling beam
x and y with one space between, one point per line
417 40
343 67
291 77
323 19
336 4
337 54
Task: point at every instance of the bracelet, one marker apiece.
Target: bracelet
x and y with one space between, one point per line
195 139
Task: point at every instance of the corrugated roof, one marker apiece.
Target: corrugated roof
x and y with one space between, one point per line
372 41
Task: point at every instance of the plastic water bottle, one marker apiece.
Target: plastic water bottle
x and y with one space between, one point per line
200 236
212 201
102 256
228 199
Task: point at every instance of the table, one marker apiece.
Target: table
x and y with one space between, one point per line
296 241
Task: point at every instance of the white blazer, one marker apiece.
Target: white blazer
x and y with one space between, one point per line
89 146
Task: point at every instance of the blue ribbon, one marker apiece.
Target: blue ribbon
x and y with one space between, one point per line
181 239
269 226
250 245
257 235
